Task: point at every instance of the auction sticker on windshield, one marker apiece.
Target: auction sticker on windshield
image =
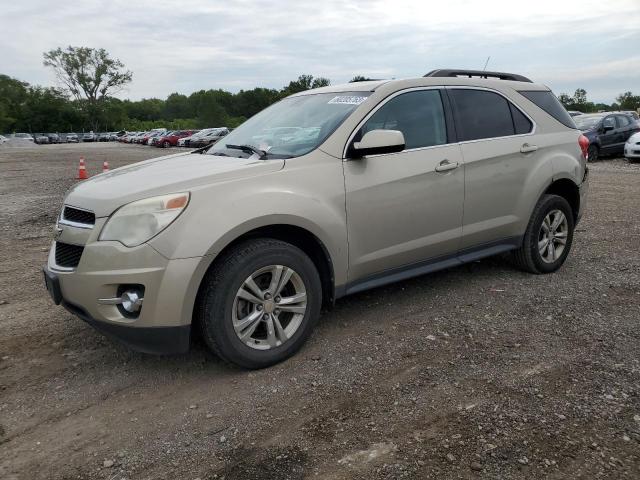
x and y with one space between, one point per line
348 100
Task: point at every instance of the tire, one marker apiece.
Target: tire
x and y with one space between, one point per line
593 153
166 144
219 303
528 257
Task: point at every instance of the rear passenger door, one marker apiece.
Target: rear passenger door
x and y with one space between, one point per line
499 152
625 126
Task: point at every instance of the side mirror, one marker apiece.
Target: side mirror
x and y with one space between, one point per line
377 142
607 128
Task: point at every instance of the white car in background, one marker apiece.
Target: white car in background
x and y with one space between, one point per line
632 148
3 139
24 136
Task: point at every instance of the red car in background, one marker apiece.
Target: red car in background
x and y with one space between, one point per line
171 140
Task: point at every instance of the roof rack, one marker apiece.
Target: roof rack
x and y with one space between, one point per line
477 73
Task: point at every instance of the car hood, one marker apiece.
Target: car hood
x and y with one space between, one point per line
106 192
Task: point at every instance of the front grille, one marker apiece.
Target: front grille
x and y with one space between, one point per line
68 255
78 216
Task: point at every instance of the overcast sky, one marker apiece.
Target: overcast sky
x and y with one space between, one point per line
184 46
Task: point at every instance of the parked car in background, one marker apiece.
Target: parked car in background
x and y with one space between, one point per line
72 137
152 134
574 113
154 140
104 137
171 140
209 138
3 139
24 136
53 137
632 148
607 132
184 141
40 138
89 137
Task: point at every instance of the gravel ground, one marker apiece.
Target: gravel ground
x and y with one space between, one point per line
480 371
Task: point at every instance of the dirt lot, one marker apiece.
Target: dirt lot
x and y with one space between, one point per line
476 372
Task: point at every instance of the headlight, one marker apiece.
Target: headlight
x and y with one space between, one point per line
139 221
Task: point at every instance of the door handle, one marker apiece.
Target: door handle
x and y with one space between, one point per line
526 148
446 165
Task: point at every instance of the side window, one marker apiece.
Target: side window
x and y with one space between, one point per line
521 123
623 121
419 115
481 114
609 122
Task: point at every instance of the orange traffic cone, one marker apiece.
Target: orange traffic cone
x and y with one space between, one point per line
105 166
82 170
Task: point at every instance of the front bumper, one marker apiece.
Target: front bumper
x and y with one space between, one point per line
632 151
163 324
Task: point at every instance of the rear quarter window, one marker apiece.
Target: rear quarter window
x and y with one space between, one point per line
547 101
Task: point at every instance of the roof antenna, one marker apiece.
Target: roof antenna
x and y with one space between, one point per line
486 63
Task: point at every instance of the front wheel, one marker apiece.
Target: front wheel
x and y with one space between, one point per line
593 153
166 144
548 238
259 303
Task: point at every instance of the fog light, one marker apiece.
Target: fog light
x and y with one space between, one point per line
131 301
128 301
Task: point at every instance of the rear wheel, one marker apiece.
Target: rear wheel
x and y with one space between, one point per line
548 238
593 153
259 303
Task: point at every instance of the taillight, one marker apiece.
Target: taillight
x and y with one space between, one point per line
584 146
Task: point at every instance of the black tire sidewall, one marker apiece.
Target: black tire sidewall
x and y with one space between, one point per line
218 323
593 148
549 203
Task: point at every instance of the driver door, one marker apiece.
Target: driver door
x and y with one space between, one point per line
405 208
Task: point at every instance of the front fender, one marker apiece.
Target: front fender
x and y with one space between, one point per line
308 193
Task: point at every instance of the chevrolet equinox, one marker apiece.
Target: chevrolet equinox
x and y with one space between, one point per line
326 193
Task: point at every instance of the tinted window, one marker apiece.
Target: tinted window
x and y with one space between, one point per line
547 101
521 123
609 122
418 115
623 121
481 114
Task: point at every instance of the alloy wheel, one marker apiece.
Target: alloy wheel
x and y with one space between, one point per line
553 235
269 307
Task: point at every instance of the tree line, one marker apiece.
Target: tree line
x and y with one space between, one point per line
579 102
31 108
90 79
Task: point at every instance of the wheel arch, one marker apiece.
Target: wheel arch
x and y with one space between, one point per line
567 189
300 237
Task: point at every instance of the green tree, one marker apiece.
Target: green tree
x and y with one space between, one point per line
88 74
360 78
304 82
628 101
13 94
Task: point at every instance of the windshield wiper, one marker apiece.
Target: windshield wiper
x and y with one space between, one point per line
248 149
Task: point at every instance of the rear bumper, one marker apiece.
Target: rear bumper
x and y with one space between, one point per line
583 190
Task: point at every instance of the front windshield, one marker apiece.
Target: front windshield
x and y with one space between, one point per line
292 127
584 122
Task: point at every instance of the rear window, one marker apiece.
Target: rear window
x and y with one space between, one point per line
548 102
